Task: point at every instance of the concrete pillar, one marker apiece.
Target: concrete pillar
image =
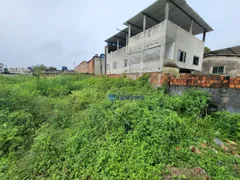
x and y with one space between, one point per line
105 61
144 22
204 36
117 44
167 10
191 27
129 31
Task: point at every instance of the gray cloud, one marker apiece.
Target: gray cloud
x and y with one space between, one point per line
60 32
53 47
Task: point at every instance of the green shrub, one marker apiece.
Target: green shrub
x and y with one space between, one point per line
66 128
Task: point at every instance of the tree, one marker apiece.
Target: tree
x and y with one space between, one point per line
207 50
51 68
38 69
6 71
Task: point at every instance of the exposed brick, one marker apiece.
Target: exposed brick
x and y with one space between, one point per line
208 85
238 86
189 80
237 78
82 67
236 82
218 85
91 66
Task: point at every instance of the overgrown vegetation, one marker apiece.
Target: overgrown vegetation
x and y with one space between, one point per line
66 128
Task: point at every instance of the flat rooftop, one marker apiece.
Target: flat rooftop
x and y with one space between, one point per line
180 13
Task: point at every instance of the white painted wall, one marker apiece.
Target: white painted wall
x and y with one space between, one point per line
186 42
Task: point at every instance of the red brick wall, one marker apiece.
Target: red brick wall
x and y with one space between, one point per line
114 75
86 67
194 80
91 66
235 83
156 78
82 68
200 80
133 76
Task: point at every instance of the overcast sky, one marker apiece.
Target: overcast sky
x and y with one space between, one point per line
61 32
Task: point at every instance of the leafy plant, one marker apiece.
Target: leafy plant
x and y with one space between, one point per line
66 128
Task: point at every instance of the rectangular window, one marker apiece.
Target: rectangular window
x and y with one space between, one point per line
182 56
115 65
125 63
195 60
218 70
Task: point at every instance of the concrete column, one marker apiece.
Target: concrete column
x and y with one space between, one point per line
167 10
117 44
191 27
105 61
204 36
144 22
129 31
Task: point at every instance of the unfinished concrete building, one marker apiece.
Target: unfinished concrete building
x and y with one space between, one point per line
162 35
223 61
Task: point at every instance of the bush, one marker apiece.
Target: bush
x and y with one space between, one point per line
66 128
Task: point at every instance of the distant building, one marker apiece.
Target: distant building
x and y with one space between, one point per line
223 61
64 68
1 68
82 67
18 71
162 35
94 66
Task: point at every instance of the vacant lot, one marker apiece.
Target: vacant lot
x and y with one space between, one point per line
68 128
